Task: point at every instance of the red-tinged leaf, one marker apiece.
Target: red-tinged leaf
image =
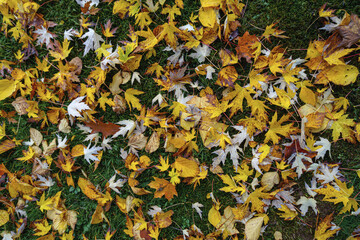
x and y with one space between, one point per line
227 77
106 129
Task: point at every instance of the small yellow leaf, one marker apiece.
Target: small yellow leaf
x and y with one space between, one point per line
77 150
7 87
4 217
214 216
307 96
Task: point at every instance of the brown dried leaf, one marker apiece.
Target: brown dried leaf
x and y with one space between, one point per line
137 141
120 104
36 136
153 143
106 129
20 105
78 64
350 33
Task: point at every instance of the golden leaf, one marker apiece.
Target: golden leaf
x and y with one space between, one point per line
214 216
4 217
186 167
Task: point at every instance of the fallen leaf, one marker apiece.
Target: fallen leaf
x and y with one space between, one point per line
253 227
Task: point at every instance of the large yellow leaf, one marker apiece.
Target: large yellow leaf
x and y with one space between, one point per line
131 99
253 228
207 17
186 167
286 213
7 87
336 196
339 74
276 129
323 230
232 186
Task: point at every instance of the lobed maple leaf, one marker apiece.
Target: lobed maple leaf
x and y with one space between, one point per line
163 188
90 151
275 129
76 106
93 40
326 229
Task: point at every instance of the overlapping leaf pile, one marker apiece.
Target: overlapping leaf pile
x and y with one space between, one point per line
277 110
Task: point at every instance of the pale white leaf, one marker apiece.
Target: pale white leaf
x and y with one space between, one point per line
154 210
209 71
90 152
313 187
197 207
76 106
202 51
188 27
45 182
93 40
114 185
327 174
158 98
105 143
305 204
129 126
325 147
135 76
151 7
68 34
61 142
298 163
44 36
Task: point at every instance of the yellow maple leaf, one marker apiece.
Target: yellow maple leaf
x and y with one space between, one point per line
286 213
334 195
28 155
154 232
105 100
131 99
243 172
322 231
143 19
61 52
45 204
171 11
276 129
42 228
343 126
258 109
174 176
42 66
232 186
254 199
